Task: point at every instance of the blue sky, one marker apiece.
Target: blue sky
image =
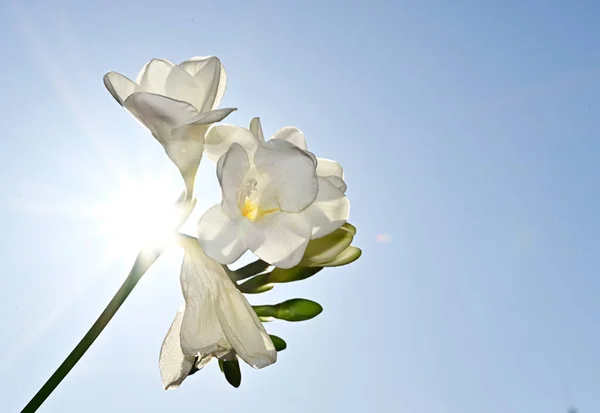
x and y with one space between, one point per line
470 136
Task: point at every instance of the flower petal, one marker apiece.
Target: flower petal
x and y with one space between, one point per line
256 129
220 137
153 76
205 118
338 183
219 236
119 86
292 135
327 167
231 175
243 329
210 76
279 238
330 210
173 364
168 120
159 113
291 173
201 332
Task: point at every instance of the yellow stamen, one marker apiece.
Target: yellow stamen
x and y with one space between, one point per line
251 210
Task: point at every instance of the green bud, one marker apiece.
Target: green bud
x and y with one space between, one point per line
297 273
251 269
297 309
321 251
266 311
278 342
351 254
256 285
350 228
231 369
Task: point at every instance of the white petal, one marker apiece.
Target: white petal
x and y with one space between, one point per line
201 332
211 77
243 329
168 120
292 135
205 118
291 173
119 86
218 318
338 183
256 129
231 177
219 236
220 137
159 113
278 238
173 364
180 85
327 167
330 210
153 76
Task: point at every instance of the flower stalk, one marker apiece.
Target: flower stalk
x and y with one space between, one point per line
142 263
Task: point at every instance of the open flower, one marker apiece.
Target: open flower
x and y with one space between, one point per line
276 196
177 104
215 321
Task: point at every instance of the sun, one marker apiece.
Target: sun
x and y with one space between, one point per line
137 215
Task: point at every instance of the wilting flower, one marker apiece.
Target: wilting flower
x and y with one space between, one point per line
276 196
215 321
177 104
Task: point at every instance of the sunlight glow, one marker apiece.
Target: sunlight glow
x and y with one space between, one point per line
138 216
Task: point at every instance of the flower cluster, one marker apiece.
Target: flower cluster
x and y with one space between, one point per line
278 200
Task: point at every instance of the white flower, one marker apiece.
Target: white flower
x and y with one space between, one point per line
176 103
215 321
276 196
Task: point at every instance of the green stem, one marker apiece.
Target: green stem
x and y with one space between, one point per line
143 261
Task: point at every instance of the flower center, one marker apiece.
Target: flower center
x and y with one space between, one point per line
249 202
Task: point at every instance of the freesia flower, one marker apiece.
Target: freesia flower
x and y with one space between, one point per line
276 196
177 104
215 321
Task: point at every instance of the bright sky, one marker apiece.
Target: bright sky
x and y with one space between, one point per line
470 137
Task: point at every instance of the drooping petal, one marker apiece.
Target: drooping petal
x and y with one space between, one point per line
210 76
220 137
327 167
292 135
173 364
168 120
231 175
219 236
256 129
291 173
201 332
330 210
217 317
119 86
243 329
278 238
